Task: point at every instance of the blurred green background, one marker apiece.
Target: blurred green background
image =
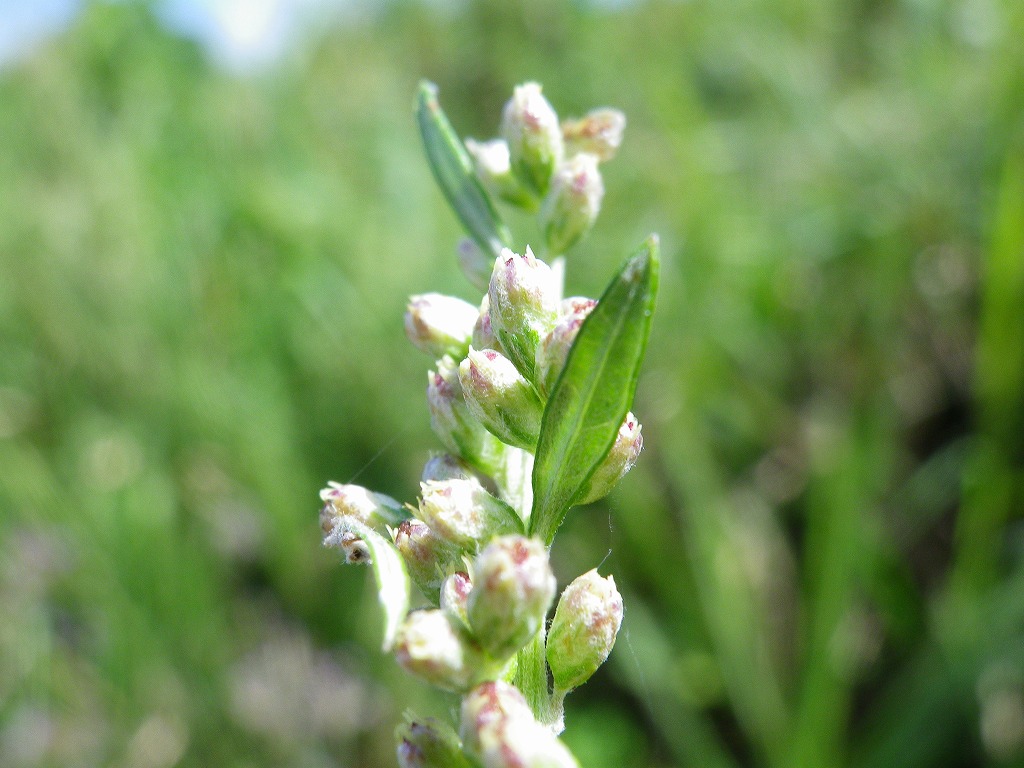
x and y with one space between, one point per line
202 278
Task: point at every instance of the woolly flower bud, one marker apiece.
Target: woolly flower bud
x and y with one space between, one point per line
493 166
500 398
583 631
439 325
573 202
523 295
369 508
431 646
530 127
513 587
500 731
453 422
554 349
429 744
599 132
463 513
427 556
620 459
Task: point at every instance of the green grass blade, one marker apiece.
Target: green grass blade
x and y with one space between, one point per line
595 391
453 170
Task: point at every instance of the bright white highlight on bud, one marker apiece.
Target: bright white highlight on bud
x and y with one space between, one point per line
439 325
571 206
599 133
530 127
583 632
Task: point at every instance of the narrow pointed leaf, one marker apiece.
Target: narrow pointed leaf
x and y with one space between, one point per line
594 392
453 170
389 570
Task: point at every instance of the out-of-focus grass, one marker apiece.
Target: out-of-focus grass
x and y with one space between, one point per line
201 287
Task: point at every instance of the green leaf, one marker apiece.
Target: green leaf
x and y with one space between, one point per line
453 170
594 392
389 570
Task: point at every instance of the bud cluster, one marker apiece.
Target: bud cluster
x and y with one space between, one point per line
464 542
542 165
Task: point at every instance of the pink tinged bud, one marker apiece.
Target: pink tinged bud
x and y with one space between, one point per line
583 631
483 332
429 744
464 514
493 165
500 398
554 349
524 297
499 730
453 422
427 556
439 325
513 587
369 508
530 127
433 647
620 459
598 133
573 202
455 596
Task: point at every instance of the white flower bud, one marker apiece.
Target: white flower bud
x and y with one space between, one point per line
431 646
454 423
573 202
369 508
500 398
440 325
524 299
493 166
599 132
620 459
583 631
427 556
500 731
513 587
554 348
530 127
463 513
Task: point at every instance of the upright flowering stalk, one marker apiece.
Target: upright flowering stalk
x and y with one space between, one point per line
530 397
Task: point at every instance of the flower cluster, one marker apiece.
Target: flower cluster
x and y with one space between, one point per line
465 542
